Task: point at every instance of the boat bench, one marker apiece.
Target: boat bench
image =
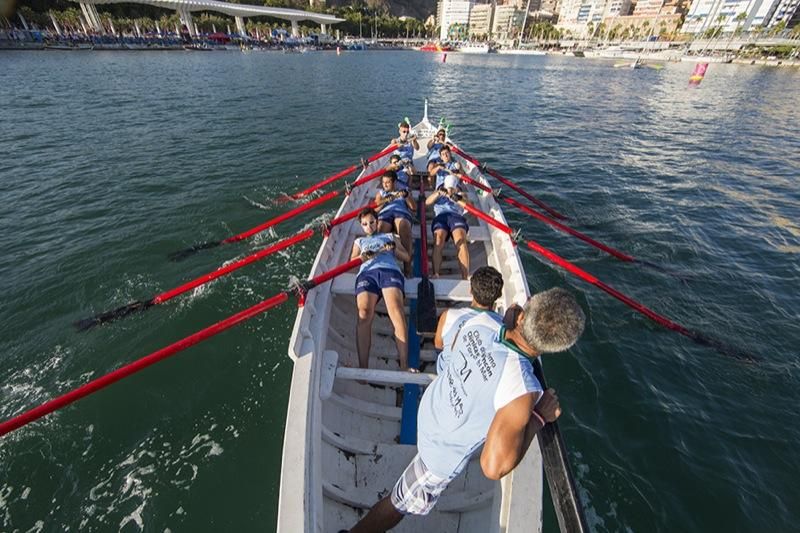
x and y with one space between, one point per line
456 290
331 371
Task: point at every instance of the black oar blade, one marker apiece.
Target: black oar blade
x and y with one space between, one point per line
103 318
722 347
188 252
426 307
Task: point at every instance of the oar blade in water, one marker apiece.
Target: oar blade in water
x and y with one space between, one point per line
188 252
103 318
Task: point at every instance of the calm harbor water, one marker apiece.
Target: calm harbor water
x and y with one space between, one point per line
113 160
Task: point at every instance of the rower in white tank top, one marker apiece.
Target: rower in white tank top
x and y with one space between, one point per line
454 319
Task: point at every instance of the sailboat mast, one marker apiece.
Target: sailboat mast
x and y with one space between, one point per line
524 20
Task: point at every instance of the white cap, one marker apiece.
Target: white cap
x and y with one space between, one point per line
450 182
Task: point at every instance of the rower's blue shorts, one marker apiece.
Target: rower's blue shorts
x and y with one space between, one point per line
377 279
391 213
449 222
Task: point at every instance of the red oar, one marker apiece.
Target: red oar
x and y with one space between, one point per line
183 254
508 183
696 336
339 175
562 227
140 305
131 368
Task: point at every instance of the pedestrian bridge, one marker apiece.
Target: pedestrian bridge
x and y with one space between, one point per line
238 11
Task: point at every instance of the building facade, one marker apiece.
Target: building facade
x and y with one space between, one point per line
451 13
575 15
480 20
706 15
507 22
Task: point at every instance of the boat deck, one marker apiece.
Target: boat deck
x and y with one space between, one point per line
349 440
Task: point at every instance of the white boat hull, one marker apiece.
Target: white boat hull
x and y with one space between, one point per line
340 451
513 52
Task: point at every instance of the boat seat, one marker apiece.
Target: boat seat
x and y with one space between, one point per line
372 375
331 371
456 290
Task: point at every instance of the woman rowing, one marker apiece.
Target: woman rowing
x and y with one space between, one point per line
406 143
394 211
435 144
379 277
443 166
448 221
402 171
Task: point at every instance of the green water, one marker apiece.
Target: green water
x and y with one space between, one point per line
113 160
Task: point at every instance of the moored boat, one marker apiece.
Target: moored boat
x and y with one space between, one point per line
347 436
473 48
436 47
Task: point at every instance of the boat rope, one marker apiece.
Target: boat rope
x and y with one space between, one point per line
142 363
505 181
696 336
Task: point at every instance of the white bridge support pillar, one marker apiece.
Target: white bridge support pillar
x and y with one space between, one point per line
295 29
186 20
240 27
323 28
92 17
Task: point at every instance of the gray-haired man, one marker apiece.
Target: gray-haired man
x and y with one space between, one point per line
486 394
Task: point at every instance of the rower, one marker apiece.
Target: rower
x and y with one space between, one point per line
448 221
402 171
379 277
435 144
394 213
485 286
407 143
442 166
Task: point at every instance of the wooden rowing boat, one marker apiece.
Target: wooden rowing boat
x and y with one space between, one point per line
347 442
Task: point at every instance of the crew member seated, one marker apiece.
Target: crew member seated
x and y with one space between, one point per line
402 171
485 286
395 208
435 144
406 143
379 277
440 168
448 221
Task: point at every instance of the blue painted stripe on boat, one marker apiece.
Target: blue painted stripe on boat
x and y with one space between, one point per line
411 392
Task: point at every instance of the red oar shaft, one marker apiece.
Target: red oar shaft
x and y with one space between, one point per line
351 215
140 364
341 174
423 231
544 218
277 247
368 177
508 183
284 217
630 302
577 271
475 183
144 362
489 220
